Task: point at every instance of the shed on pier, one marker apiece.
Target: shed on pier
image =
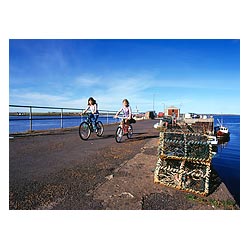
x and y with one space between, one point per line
173 111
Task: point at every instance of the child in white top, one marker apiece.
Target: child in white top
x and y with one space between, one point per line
93 106
127 112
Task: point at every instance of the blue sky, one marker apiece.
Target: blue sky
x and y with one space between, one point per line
201 76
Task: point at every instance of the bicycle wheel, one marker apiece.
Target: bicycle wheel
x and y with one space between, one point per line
99 128
130 132
84 131
118 134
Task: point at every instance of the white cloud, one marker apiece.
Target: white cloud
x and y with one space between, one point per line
143 90
108 91
87 79
42 99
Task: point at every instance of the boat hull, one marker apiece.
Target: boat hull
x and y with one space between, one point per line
220 133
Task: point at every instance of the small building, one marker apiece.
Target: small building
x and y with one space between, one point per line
173 111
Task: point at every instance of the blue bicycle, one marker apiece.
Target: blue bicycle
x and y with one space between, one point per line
86 127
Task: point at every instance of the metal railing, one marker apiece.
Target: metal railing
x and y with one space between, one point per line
61 113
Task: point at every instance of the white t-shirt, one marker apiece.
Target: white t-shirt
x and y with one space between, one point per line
127 111
93 108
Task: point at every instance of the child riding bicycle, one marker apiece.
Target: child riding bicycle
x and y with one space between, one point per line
93 106
127 112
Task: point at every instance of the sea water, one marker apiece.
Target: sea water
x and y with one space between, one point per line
227 160
22 123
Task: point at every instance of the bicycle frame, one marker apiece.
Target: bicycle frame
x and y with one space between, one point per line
122 122
89 121
85 131
126 129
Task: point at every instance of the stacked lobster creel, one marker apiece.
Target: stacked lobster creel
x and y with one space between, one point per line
184 161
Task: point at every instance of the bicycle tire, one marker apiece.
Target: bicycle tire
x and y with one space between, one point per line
84 131
130 132
99 128
118 134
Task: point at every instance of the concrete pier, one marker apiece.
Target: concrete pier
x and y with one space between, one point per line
58 170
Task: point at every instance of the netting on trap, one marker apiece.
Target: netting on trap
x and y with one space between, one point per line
184 146
184 175
184 162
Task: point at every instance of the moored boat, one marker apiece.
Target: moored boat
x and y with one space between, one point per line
221 131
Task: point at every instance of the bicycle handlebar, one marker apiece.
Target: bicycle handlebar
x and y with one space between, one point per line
85 114
119 117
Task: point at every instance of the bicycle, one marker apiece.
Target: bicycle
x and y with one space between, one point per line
86 127
123 129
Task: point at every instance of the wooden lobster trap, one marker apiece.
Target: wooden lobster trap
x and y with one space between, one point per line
182 146
184 162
